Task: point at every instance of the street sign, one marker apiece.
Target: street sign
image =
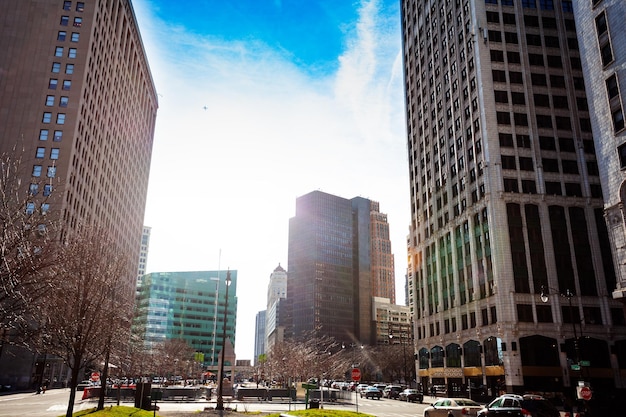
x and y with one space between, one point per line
575 367
584 393
584 363
356 374
95 376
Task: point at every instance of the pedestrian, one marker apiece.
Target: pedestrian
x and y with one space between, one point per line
432 391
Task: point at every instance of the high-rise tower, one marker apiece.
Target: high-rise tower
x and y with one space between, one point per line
602 39
329 288
78 105
505 200
76 94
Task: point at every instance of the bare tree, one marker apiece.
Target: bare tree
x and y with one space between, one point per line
27 250
174 357
86 310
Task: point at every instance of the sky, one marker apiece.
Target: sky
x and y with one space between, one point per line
261 102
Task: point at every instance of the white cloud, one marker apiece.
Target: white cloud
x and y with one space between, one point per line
226 178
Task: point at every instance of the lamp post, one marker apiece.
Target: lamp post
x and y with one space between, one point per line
220 386
217 293
567 294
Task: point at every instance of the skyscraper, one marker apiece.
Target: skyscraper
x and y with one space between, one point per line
78 105
275 312
506 202
259 335
600 26
330 267
143 253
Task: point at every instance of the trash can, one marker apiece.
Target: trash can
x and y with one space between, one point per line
315 403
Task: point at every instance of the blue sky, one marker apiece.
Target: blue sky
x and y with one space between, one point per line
261 102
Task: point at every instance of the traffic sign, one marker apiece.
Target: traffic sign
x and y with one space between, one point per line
356 374
584 393
95 376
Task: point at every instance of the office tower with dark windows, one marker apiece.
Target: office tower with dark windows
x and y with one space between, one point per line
331 245
510 272
602 42
143 253
78 107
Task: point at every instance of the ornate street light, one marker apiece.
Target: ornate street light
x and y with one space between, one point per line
567 294
220 386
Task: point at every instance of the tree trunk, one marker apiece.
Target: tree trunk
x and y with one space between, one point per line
103 379
73 384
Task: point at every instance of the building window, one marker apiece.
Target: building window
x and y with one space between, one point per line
612 87
61 118
553 188
567 6
56 67
69 68
65 20
529 4
75 37
508 162
37 171
621 152
43 134
78 22
41 152
550 165
71 53
510 185
58 51
80 6
54 153
601 26
67 5
49 101
58 135
44 208
618 120
63 101
52 172
546 4
33 189
61 35
47 117
52 84
606 52
67 84
47 189
30 208
529 187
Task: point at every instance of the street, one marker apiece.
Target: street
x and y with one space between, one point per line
54 403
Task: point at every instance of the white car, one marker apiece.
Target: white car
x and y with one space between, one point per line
361 387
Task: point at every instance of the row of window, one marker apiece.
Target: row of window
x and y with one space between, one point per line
56 68
47 118
30 207
59 51
40 153
80 6
566 5
62 35
34 189
65 21
63 101
612 85
51 172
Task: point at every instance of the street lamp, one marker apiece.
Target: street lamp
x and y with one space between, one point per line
220 386
567 294
217 293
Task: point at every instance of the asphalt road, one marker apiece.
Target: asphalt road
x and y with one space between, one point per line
54 403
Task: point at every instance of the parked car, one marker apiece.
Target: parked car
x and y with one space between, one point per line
371 392
361 387
83 384
392 391
511 405
411 395
453 407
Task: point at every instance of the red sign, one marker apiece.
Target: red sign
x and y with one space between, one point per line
95 376
585 393
356 374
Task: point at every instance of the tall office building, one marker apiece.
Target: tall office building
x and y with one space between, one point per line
330 267
143 253
259 335
188 306
505 201
77 96
600 27
275 312
383 279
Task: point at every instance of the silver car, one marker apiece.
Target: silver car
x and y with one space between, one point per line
457 407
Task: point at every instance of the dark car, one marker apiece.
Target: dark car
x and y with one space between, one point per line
511 405
411 395
371 392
